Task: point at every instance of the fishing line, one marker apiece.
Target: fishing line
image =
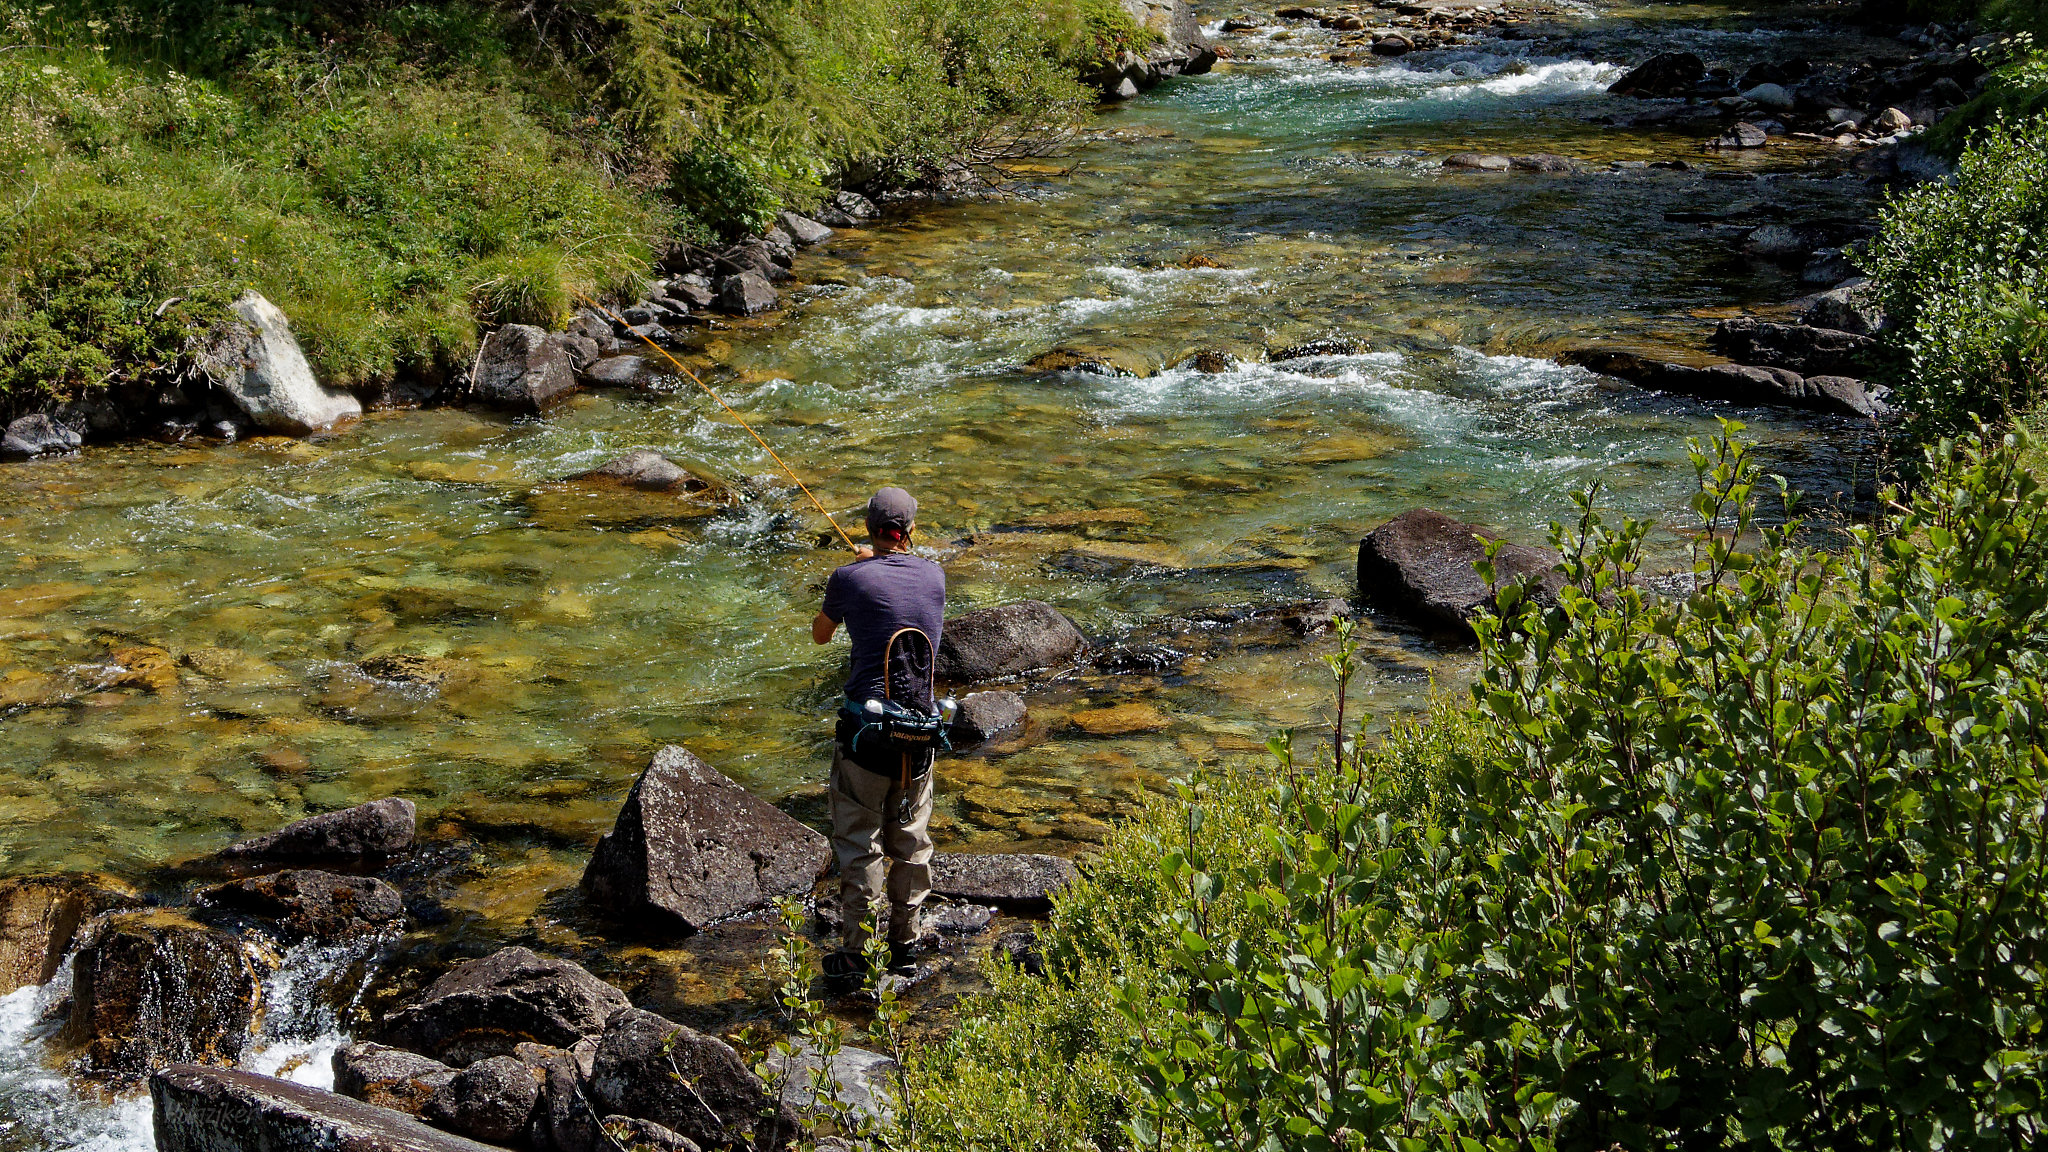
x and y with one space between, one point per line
728 411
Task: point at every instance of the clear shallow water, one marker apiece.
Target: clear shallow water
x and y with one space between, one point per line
575 631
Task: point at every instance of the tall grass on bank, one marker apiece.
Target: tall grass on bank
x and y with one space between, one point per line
1763 866
393 173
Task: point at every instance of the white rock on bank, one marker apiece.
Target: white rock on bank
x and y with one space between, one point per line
256 360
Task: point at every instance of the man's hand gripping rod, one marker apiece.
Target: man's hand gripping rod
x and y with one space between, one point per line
728 411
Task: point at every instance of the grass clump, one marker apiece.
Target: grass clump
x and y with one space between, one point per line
1763 866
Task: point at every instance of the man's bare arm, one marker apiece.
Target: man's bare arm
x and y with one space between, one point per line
822 628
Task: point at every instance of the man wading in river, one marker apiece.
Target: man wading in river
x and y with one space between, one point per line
893 605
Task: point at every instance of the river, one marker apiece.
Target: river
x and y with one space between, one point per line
577 633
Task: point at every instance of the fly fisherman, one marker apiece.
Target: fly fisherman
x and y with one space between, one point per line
893 605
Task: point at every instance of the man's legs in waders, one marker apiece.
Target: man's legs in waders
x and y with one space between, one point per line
871 830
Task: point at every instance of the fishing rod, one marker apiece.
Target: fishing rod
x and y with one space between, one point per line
736 418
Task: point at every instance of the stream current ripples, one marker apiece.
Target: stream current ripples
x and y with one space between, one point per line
569 635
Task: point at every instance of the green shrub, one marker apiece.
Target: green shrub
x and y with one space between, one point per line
1959 268
1764 866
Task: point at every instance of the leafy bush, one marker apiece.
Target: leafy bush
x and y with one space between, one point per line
1960 271
1762 866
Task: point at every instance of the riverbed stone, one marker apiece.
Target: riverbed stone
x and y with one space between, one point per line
746 294
1121 720
691 847
1021 883
1419 565
628 371
1733 383
256 361
648 471
365 836
984 714
1477 161
388 1077
522 368
40 916
1665 74
201 1109
859 1081
36 434
1800 348
1850 306
692 1084
308 903
803 230
1546 162
153 988
491 1100
1090 361
1008 640
1742 135
487 1007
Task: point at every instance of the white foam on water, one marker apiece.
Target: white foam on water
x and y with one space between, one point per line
1562 78
1379 377
43 1108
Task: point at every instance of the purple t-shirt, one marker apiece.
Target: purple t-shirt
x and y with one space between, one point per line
876 598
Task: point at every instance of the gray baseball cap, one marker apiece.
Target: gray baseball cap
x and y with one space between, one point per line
892 509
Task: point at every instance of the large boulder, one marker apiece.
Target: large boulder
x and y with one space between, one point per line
365 836
388 1077
1798 348
803 230
488 1007
306 903
1419 564
1015 882
202 1109
692 1084
255 359
39 916
1007 640
153 988
1178 48
491 1100
691 848
1735 383
1666 74
746 293
1851 307
522 368
37 435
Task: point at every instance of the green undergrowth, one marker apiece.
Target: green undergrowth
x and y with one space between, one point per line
1764 866
392 174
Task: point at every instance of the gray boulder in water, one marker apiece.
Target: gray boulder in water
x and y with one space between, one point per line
1008 640
1018 882
1798 347
37 435
1735 383
488 1007
1419 564
306 903
691 848
983 714
522 368
256 360
363 836
491 1100
388 1077
201 1109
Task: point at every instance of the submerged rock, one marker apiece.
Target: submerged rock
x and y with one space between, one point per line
1015 882
365 836
649 471
691 847
695 1085
227 1110
1419 564
1008 640
153 988
488 1007
1090 362
1477 162
256 360
1333 346
37 435
308 903
983 714
491 1100
388 1077
523 369
39 916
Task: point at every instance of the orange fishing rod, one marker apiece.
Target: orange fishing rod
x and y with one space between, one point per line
728 411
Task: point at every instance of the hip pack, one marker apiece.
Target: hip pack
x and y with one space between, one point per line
902 733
